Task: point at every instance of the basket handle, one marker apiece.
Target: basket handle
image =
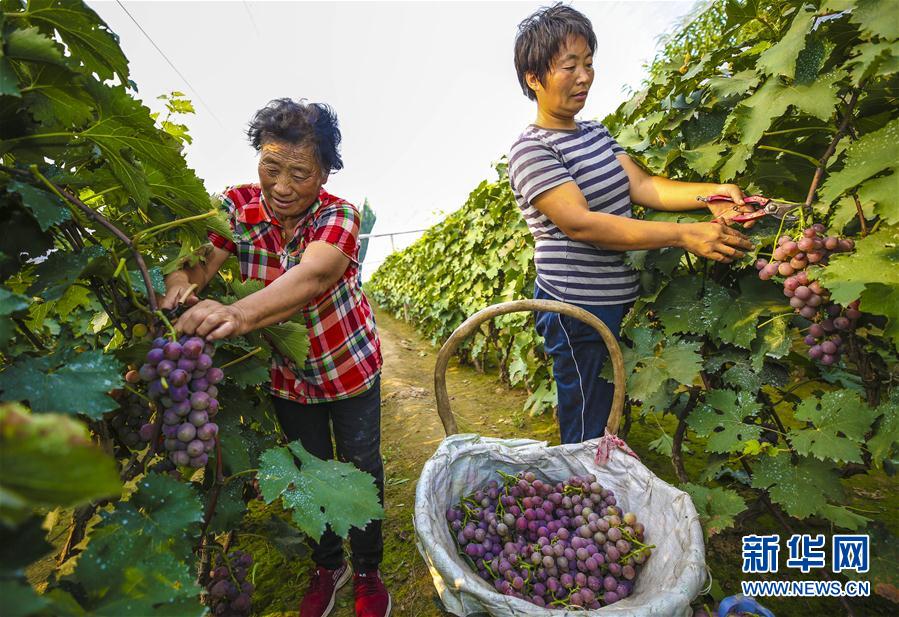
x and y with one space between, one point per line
550 306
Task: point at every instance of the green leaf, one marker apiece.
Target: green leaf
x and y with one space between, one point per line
886 433
649 364
839 422
691 307
882 192
9 82
801 489
741 84
30 44
872 153
874 59
736 163
46 208
738 324
56 98
22 545
780 58
754 115
843 517
721 418
156 280
230 507
290 541
704 159
61 269
717 507
291 339
47 461
773 341
9 303
86 35
65 381
320 493
876 17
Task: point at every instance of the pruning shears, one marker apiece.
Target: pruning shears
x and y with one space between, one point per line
765 206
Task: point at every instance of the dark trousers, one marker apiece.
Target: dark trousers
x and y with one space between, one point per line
356 426
578 353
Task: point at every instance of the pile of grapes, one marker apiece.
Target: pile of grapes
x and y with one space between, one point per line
229 592
557 545
809 298
181 379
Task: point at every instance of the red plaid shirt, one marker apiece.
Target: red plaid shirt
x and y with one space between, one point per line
345 352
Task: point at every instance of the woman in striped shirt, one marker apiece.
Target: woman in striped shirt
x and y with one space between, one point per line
575 186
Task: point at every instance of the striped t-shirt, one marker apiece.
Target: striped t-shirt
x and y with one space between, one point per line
542 159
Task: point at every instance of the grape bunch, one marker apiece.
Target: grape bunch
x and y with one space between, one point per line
133 415
229 592
556 545
807 297
182 380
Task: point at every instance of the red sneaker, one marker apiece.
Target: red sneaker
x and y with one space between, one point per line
372 599
319 598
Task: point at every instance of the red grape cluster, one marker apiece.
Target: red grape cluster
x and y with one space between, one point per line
229 591
181 378
558 545
133 415
790 260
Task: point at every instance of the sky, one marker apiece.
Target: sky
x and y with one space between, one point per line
426 92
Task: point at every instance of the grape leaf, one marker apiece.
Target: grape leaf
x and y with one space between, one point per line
780 58
22 545
47 209
705 158
47 461
291 339
737 84
882 191
649 363
876 17
691 307
872 153
886 434
320 493
773 341
56 99
802 489
881 58
86 35
64 381
156 280
717 507
725 430
30 44
739 322
843 517
139 559
839 422
9 303
754 115
230 507
736 163
55 274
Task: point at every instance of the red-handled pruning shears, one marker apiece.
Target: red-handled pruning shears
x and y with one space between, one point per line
764 207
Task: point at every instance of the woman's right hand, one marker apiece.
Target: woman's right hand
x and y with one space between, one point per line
177 285
714 241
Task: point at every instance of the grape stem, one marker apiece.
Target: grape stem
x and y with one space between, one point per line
240 473
246 356
165 320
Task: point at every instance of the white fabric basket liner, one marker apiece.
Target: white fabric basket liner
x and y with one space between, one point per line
665 585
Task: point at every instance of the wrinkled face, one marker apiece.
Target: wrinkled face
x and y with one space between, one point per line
290 177
565 87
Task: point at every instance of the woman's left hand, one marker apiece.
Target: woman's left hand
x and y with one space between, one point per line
212 320
724 211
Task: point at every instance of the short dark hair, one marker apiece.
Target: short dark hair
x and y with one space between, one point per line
541 36
299 123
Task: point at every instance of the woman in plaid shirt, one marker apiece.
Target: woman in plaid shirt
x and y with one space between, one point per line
302 243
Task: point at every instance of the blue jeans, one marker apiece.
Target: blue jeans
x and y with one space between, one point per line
578 353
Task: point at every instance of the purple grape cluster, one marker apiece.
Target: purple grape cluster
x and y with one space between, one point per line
182 380
823 339
133 414
229 592
809 298
558 545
